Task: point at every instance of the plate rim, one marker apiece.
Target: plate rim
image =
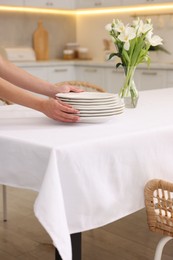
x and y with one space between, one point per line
91 95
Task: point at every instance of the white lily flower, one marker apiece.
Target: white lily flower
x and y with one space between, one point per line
146 28
149 35
156 40
148 20
108 27
142 28
153 40
119 26
127 35
132 43
136 22
127 45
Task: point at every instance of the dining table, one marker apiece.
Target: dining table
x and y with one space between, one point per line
87 174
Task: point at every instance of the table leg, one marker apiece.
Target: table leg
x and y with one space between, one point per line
76 248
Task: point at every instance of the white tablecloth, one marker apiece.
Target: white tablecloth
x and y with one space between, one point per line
87 175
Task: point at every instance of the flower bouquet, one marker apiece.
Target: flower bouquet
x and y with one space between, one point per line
132 43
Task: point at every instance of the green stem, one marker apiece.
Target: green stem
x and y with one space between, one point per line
129 88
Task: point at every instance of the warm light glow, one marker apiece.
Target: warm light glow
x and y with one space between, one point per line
161 8
35 10
137 9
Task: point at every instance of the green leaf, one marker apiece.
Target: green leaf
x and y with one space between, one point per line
159 48
118 65
113 55
126 59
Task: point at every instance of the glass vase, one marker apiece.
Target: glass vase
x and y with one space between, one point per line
129 91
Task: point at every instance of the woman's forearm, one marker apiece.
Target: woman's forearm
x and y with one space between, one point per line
23 79
51 107
17 95
16 86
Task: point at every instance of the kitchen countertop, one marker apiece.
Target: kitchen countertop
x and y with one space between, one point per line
98 63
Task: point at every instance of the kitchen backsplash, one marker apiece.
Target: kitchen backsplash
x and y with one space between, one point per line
91 32
16 30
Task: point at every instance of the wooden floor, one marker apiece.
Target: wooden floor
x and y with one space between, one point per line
23 238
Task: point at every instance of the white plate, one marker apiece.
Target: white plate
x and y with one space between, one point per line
95 120
108 112
101 114
87 95
99 107
92 103
89 100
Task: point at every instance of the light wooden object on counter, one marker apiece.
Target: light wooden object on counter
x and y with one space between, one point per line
159 208
41 42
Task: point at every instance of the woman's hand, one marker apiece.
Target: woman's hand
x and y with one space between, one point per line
59 110
67 88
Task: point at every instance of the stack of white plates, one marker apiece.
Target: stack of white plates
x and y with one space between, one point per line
94 106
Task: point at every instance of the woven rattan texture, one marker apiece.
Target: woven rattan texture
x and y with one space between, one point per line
159 206
83 85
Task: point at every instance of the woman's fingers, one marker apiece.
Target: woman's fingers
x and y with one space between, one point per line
67 88
60 111
68 114
76 89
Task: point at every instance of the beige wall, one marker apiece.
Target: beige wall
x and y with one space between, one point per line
16 30
91 32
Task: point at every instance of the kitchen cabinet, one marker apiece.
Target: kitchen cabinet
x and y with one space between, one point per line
107 3
12 2
61 73
40 72
169 79
114 79
97 3
150 79
145 79
88 3
65 4
138 2
92 74
161 1
134 2
107 77
52 74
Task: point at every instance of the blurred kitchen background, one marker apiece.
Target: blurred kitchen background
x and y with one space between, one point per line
17 28
72 43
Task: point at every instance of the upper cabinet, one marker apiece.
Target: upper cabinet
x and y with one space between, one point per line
138 2
65 4
72 4
106 3
114 3
12 2
97 3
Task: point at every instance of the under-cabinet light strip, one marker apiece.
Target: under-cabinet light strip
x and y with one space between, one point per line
35 10
153 8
